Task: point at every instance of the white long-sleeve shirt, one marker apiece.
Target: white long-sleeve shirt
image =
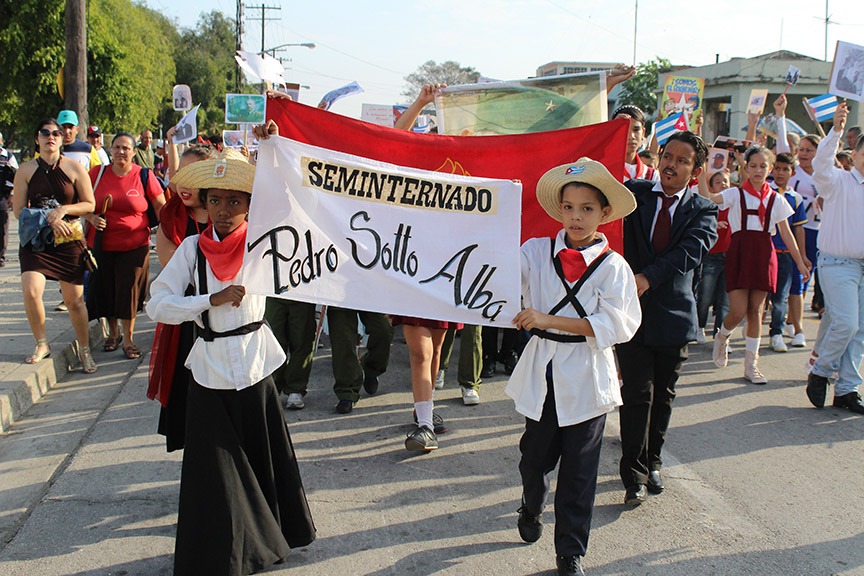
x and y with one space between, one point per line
842 193
584 374
230 363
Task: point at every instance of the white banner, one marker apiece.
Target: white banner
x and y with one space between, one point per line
337 229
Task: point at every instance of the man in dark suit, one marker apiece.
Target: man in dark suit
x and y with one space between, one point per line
665 238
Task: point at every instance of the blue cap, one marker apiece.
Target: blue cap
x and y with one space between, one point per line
67 117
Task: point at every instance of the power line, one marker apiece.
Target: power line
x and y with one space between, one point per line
264 8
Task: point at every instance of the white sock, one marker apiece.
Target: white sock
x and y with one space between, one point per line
724 332
752 345
424 413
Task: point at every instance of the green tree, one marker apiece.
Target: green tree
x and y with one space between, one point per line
641 89
130 64
205 62
450 73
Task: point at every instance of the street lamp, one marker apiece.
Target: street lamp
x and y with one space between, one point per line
273 50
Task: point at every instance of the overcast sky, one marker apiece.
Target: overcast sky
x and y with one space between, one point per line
379 43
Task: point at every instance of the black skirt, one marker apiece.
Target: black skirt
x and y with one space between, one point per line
242 503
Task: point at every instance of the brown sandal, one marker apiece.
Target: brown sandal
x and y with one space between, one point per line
132 351
87 362
112 344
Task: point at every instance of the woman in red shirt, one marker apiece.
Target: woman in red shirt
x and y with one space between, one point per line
123 261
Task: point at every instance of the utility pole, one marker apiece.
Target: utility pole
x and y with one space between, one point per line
75 71
238 37
264 8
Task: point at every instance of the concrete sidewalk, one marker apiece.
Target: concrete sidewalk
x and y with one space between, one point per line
22 384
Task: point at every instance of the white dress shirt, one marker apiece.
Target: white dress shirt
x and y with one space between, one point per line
231 363
732 200
842 232
584 373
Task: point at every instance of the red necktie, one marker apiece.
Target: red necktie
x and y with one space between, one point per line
663 226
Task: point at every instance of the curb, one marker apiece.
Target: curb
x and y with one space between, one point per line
25 385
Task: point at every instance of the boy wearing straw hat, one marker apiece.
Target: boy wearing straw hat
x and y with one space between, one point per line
579 299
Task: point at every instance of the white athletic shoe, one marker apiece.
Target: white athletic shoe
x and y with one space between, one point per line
470 397
700 336
789 330
777 343
751 368
294 401
439 381
798 341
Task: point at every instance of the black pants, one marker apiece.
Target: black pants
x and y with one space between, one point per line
4 232
543 444
649 374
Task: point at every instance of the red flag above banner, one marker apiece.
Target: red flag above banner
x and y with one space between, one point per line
524 157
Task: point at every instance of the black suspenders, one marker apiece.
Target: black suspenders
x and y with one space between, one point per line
569 297
207 334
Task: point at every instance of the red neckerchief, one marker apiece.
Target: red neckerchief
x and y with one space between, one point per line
641 169
761 195
225 257
573 262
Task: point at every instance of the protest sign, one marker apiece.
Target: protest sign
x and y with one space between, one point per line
292 89
245 108
682 95
334 95
522 106
182 96
727 143
236 139
338 229
792 76
756 104
380 114
187 128
847 72
717 159
523 157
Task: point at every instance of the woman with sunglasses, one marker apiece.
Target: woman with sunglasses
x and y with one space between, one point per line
60 188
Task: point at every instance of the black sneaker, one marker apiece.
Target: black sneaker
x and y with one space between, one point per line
345 406
438 425
530 525
488 369
817 388
422 439
569 565
370 384
850 401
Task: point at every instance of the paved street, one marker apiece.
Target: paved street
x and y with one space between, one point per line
758 482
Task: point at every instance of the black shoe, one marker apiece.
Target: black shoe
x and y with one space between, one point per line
488 369
817 388
370 384
509 360
345 406
635 495
421 440
655 482
569 565
850 401
530 525
438 425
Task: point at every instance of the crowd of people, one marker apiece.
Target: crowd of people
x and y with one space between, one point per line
598 331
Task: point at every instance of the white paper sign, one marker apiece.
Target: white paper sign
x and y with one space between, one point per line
847 73
337 229
182 96
187 128
380 114
265 67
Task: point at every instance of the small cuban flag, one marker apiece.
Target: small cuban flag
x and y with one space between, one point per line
821 108
668 126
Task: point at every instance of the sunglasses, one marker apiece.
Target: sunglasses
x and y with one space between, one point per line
46 132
